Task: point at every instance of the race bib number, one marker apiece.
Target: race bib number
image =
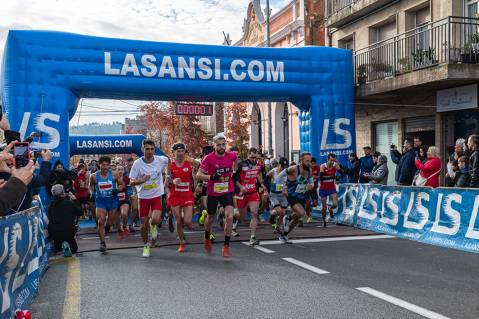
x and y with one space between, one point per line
278 188
182 187
220 187
150 185
122 196
105 188
301 188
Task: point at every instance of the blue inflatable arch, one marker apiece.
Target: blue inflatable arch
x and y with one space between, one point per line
108 144
45 73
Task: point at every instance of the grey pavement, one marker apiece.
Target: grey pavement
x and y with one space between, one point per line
253 284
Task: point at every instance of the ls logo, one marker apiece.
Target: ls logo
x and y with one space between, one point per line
50 133
339 132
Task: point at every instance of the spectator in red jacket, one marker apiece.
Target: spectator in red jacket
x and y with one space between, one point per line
431 169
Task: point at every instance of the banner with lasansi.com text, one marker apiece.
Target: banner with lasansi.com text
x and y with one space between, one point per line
23 259
442 216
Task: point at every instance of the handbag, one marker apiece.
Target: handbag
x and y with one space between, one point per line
421 181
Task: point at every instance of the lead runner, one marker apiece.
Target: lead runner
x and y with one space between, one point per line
217 169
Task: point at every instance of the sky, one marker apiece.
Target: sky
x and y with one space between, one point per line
185 21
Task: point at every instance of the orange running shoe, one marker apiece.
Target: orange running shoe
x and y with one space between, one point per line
208 246
182 248
126 232
226 251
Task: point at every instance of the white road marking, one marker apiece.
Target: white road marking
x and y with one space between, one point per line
306 266
264 250
326 239
403 304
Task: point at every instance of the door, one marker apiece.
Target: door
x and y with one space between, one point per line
386 134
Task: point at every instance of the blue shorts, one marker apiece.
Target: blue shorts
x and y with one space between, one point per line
326 193
107 203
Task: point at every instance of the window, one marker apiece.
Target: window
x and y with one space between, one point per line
346 43
421 23
471 8
385 135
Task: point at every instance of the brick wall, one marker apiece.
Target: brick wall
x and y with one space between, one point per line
279 22
313 22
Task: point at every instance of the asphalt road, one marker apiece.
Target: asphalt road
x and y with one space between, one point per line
398 278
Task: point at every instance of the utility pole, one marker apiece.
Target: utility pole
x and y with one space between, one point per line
270 124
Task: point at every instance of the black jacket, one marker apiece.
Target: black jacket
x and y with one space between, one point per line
39 180
462 178
11 193
353 171
62 214
474 169
406 167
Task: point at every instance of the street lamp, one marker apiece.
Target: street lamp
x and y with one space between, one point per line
270 124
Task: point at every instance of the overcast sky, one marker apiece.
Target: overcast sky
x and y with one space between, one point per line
187 21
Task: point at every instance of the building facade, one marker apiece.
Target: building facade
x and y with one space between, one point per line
415 65
299 23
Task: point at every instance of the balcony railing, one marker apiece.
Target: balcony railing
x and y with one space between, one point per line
450 40
337 5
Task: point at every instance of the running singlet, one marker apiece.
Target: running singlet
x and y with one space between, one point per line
222 166
184 188
248 172
329 179
104 186
297 188
80 191
123 196
277 183
154 186
316 170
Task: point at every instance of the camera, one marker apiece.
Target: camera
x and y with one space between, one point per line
21 152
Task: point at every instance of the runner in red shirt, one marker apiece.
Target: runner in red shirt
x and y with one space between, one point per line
124 202
217 169
81 188
181 198
248 173
327 176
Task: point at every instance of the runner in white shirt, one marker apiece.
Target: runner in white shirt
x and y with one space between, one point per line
147 175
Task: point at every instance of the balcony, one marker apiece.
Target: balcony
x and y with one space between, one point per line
444 50
340 12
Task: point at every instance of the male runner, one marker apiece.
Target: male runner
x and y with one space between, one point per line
132 195
104 184
327 176
124 202
278 201
147 175
81 188
217 169
299 181
181 198
312 195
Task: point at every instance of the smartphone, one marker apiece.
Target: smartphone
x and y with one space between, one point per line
21 151
37 154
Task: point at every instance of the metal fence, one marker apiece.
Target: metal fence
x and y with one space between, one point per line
450 40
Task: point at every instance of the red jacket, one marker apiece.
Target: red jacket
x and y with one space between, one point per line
431 167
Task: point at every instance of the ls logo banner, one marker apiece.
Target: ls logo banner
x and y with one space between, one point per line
23 259
442 216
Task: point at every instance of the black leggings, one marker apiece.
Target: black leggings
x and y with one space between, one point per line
223 200
59 236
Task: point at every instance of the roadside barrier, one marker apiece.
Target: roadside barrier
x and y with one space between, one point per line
441 216
23 259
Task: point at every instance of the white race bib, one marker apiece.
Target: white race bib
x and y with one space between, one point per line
220 187
301 188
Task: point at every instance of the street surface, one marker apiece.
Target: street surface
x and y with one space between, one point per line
347 274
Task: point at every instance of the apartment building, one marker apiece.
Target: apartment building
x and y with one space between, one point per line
415 66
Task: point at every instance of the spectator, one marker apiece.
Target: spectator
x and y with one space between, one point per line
366 164
423 153
452 168
429 170
352 170
380 171
405 169
459 148
473 146
62 214
62 176
462 177
418 143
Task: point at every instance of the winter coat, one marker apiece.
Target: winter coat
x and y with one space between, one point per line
430 170
405 169
380 172
474 169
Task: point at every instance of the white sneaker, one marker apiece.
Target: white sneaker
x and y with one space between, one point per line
234 233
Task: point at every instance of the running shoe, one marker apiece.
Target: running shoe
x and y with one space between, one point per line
153 231
275 228
67 252
201 220
331 213
284 239
235 224
171 227
310 220
126 232
146 251
234 233
253 241
102 247
226 251
207 245
212 237
286 223
120 236
182 248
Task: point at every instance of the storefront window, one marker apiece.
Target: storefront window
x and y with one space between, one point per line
386 134
466 123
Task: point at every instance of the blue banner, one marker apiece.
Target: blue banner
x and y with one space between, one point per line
442 216
23 259
108 144
46 73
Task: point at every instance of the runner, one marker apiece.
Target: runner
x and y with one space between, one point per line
278 201
204 190
147 175
104 185
327 187
217 169
312 195
124 202
131 192
299 181
81 188
246 176
181 197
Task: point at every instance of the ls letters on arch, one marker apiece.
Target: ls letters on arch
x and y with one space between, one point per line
445 217
46 73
